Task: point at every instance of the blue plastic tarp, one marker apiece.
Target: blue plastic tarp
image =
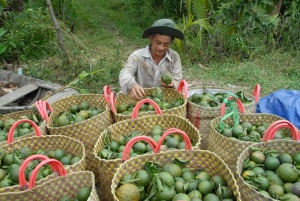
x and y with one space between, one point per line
283 103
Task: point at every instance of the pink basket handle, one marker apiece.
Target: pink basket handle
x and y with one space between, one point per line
10 136
60 168
188 144
256 92
183 87
42 106
129 145
274 127
239 103
22 178
112 102
140 103
106 93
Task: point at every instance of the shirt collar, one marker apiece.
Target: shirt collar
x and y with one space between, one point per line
147 53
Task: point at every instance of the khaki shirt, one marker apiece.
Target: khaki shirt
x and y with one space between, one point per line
141 69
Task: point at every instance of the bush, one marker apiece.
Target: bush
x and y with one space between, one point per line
29 35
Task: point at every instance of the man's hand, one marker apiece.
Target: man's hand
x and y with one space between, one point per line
167 85
137 92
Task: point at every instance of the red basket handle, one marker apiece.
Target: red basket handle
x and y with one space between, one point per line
10 136
183 87
22 178
239 103
42 105
274 127
140 103
106 93
188 144
60 168
112 101
256 92
129 145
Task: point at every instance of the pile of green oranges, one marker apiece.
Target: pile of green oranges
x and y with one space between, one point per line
173 182
10 163
115 148
247 131
75 114
22 129
273 173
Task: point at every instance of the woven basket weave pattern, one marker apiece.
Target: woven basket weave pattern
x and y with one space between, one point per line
201 116
169 94
16 115
229 149
69 145
247 192
56 188
198 159
107 168
87 131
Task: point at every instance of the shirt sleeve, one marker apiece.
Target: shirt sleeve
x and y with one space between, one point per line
176 70
127 74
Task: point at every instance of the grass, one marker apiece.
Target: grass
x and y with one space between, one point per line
105 36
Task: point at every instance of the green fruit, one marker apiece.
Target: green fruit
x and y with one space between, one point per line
84 193
166 77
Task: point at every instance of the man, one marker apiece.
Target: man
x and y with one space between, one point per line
145 66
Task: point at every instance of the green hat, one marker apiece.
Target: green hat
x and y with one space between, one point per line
164 27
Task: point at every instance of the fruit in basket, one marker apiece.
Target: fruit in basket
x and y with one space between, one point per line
275 178
169 185
209 99
82 195
128 192
76 113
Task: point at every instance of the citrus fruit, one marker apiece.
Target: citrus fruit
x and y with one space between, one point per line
114 146
167 178
248 174
285 157
63 120
258 157
74 109
13 172
64 198
128 192
237 131
196 97
173 169
1 124
172 142
122 108
205 187
287 172
84 193
166 194
181 197
195 194
188 175
265 193
203 176
224 192
179 187
2 174
296 158
289 197
8 159
143 177
59 154
275 179
83 113
247 125
218 180
192 185
140 147
262 183
65 160
271 163
211 197
227 132
84 105
288 187
275 190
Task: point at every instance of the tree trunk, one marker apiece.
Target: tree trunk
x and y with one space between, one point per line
58 31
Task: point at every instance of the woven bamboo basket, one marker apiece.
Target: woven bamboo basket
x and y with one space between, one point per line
107 168
168 93
201 116
55 188
229 149
86 131
198 159
69 145
288 146
16 115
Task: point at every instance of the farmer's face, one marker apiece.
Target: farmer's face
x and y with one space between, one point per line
159 44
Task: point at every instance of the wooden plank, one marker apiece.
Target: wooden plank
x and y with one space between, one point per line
18 93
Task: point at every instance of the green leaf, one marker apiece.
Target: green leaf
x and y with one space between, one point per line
83 75
2 49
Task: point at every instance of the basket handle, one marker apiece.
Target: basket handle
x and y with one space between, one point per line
22 178
129 145
10 136
42 105
239 103
140 103
112 101
256 92
188 144
183 87
106 93
274 127
60 168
